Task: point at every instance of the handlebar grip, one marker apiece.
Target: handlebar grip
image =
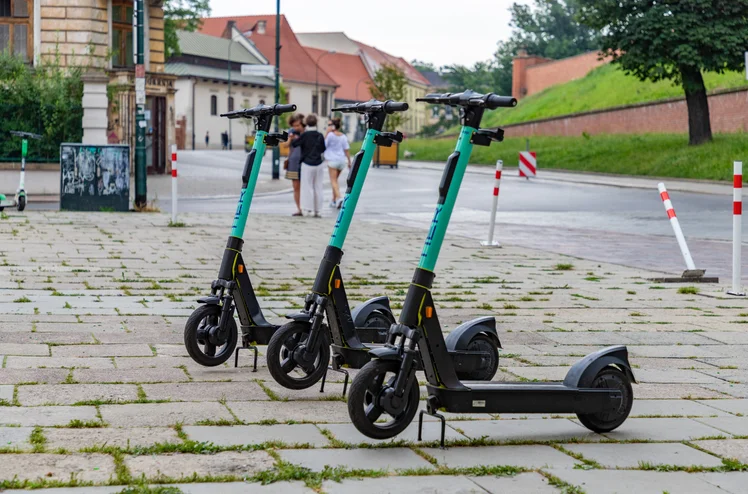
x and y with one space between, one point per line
395 106
280 109
346 108
495 101
233 114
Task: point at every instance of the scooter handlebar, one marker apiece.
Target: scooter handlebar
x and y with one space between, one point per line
395 106
373 106
260 110
470 98
494 101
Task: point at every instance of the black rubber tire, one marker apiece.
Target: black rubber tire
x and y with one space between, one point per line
2 208
610 378
381 321
193 346
360 398
22 203
278 352
484 343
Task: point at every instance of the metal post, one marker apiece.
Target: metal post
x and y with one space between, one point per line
173 183
737 229
141 199
231 42
276 150
497 183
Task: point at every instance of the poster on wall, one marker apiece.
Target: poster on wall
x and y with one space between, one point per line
94 178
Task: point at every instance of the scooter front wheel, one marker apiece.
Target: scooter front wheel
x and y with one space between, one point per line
287 346
196 333
610 378
364 405
22 203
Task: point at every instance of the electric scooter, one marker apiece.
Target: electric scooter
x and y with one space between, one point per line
210 334
597 388
20 199
304 343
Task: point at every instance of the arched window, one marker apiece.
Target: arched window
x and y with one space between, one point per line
231 103
15 32
214 105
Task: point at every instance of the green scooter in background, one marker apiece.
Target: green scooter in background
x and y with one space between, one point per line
20 200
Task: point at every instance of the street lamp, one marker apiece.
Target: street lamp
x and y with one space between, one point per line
316 76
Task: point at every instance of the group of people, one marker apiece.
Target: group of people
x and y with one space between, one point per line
305 167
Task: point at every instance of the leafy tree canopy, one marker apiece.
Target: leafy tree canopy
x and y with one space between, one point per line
389 82
673 40
182 15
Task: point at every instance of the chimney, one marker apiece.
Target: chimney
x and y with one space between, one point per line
261 27
228 31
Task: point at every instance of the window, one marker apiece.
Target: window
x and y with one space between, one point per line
314 103
261 27
15 33
231 103
122 41
214 105
324 102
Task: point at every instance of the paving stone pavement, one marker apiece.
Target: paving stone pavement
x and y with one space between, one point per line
97 390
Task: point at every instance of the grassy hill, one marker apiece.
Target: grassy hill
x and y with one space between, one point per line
604 87
657 155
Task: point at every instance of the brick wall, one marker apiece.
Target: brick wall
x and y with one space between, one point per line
531 75
728 111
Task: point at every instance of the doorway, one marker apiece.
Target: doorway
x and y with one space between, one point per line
155 136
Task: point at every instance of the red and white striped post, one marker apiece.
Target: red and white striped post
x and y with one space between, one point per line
676 227
491 242
173 183
737 229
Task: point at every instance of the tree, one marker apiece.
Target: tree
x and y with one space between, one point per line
182 15
422 66
674 40
389 83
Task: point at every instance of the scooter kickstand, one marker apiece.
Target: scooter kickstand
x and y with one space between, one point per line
437 415
345 382
247 347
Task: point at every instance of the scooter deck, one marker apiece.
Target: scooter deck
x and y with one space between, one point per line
516 397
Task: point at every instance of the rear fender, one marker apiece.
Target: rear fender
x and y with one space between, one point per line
211 300
385 353
460 337
584 371
362 311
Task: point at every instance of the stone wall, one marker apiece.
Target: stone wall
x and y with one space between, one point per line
531 75
728 111
77 29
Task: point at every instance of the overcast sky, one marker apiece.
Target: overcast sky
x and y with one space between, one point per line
441 32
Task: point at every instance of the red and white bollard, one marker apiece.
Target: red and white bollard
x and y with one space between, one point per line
491 242
528 164
691 271
173 183
737 229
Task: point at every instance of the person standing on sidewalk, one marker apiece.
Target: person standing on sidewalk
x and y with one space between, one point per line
337 156
293 163
207 139
312 145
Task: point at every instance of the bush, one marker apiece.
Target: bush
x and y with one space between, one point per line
45 100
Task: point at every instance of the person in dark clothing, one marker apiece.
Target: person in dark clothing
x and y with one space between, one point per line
312 145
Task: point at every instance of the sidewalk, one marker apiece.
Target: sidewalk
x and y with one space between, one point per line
97 388
636 182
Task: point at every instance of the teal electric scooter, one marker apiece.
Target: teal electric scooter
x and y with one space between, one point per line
384 396
298 353
20 199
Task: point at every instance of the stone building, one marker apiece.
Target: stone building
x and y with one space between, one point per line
98 35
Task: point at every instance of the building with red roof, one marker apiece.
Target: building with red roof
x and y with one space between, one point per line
301 76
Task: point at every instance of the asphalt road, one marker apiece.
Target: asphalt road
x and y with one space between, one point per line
606 223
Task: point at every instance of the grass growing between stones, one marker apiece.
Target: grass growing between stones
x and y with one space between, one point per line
38 440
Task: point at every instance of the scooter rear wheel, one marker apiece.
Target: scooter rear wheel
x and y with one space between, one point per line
482 343
610 378
22 203
380 321
201 351
280 356
363 400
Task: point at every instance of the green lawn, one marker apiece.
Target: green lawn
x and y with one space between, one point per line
604 87
659 155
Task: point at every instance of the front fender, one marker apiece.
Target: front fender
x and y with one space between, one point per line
362 311
584 371
385 353
210 300
299 316
460 337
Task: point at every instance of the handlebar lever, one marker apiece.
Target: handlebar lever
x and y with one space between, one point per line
273 139
385 139
484 137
